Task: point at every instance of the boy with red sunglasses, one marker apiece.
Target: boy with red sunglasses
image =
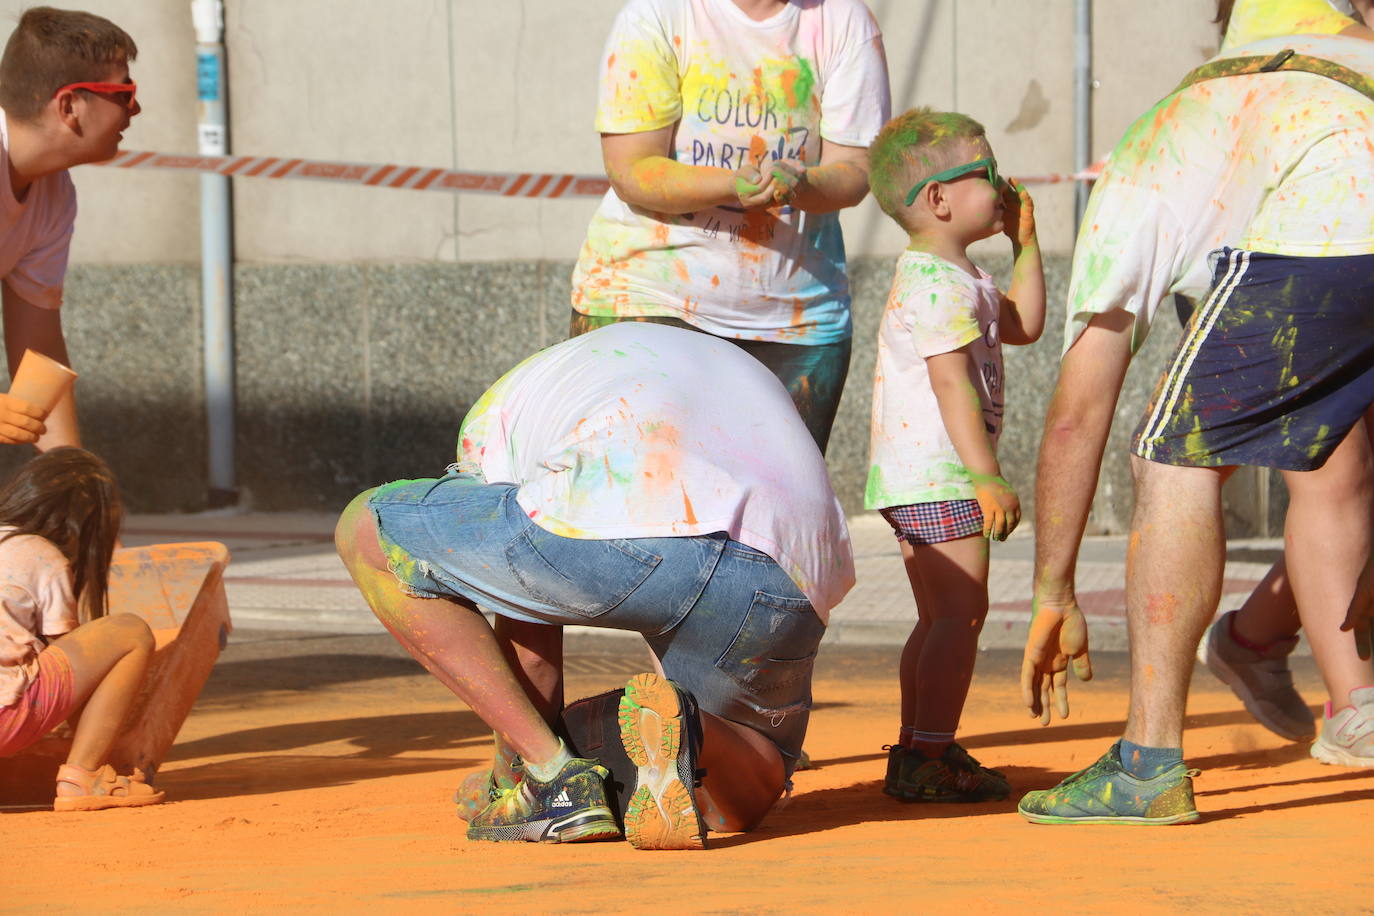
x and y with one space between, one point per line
937 413
65 99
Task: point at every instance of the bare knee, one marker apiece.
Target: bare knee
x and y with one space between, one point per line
355 535
1166 482
130 632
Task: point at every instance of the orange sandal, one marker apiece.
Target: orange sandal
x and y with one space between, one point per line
103 788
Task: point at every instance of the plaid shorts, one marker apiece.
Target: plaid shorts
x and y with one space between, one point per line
932 523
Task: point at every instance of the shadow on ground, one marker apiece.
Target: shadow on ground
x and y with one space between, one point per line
864 802
376 746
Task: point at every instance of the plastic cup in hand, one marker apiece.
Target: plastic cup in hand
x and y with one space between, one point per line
42 381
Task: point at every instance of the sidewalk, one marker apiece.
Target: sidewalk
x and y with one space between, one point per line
285 575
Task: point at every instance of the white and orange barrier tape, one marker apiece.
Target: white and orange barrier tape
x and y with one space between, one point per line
418 178
1091 173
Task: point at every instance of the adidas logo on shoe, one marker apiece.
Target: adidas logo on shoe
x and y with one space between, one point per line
561 800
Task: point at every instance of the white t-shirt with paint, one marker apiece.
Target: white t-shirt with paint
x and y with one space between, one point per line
639 430
935 307
732 85
35 599
1275 162
35 234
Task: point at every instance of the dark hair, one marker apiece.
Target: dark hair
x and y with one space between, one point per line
53 48
1223 19
913 146
69 497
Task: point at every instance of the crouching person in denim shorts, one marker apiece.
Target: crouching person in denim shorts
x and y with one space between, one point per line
640 478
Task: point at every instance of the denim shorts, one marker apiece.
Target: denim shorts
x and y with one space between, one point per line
726 622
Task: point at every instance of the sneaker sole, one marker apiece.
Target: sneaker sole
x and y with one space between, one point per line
105 802
1185 818
585 826
1339 756
662 812
1223 672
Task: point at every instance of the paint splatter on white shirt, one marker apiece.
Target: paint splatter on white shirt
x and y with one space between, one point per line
731 85
1275 162
935 307
640 430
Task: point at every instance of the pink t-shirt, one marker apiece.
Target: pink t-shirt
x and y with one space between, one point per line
35 234
35 599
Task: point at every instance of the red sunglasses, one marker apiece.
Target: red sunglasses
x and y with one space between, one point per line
106 89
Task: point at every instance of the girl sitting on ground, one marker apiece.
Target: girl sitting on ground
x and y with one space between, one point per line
62 657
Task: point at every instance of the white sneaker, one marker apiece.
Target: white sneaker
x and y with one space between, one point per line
1347 737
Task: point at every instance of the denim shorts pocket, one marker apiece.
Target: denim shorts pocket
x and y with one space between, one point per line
583 577
774 651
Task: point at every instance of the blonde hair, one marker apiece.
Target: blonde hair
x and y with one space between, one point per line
913 146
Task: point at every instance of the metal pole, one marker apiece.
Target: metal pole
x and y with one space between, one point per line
216 253
1082 103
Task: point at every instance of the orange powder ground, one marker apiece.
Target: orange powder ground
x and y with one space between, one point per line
315 776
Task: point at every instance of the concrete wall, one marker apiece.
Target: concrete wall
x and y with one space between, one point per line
511 86
368 320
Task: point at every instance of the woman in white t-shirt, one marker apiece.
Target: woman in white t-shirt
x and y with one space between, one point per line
59 519
733 132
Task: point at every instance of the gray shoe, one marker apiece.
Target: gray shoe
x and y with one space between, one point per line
1261 680
1347 737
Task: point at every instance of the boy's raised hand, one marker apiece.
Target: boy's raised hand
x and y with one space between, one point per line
999 503
20 421
1018 219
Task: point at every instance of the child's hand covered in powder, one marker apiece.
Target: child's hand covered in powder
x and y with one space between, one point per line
999 503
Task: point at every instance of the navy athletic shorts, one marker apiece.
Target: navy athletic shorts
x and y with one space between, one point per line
1273 369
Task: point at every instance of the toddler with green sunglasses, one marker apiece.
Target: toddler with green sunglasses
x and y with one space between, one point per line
938 397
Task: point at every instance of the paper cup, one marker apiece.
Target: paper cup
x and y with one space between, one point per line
42 381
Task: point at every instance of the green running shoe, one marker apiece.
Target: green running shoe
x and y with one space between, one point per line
570 808
1105 793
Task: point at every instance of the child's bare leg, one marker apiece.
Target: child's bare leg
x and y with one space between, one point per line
109 658
909 665
1270 614
1327 540
952 599
452 640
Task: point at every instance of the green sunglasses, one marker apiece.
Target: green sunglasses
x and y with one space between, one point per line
959 170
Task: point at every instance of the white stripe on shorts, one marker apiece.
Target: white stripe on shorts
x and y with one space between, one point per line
1188 350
